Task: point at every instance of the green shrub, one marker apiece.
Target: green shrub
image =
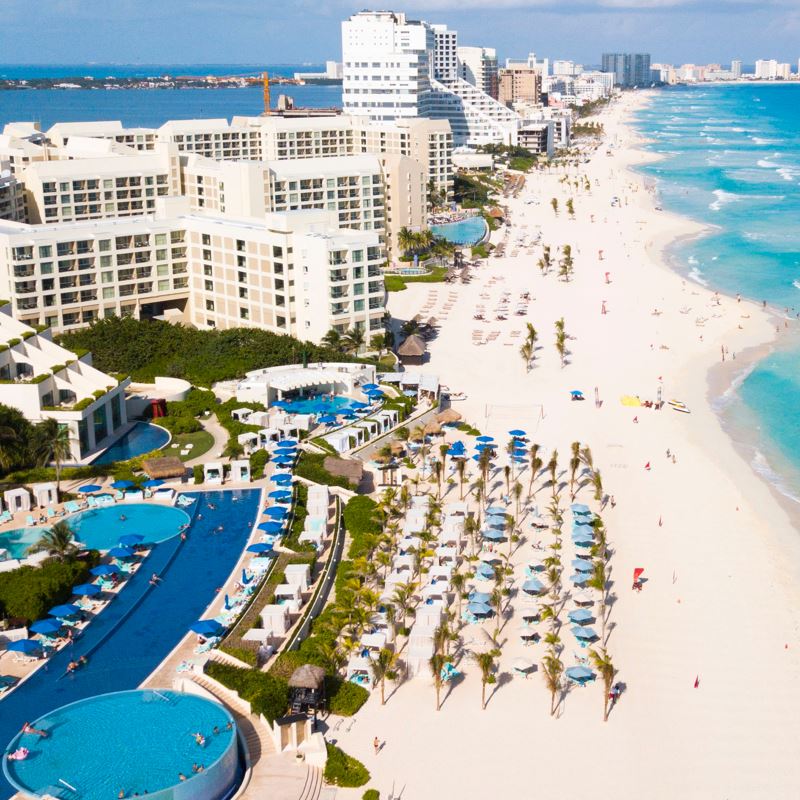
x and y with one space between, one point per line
258 461
286 663
371 794
267 694
292 540
359 519
311 467
344 770
198 473
28 592
344 697
14 342
178 425
248 656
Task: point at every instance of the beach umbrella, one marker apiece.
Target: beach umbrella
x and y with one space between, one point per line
490 558
584 634
576 393
493 535
532 586
579 578
284 461
281 478
358 405
492 510
527 633
580 508
86 589
271 527
582 565
583 599
369 387
287 443
120 552
458 445
280 494
523 666
484 446
89 488
531 612
276 512
280 404
122 484
328 419
579 674
485 439
207 627
582 542
456 453
479 609
65 610
130 539
485 571
46 627
583 527
259 548
516 433
152 483
480 597
580 615
26 646
104 569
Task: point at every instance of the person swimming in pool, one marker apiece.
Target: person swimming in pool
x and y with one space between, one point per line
200 739
123 518
28 728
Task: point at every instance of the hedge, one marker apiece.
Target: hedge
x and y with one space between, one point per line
344 698
267 694
28 593
310 466
359 519
292 541
258 461
344 770
371 794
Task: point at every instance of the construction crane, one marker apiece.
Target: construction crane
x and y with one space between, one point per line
265 79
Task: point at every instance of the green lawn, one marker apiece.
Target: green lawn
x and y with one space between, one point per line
203 441
397 283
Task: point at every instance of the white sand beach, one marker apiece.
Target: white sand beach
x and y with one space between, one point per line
720 553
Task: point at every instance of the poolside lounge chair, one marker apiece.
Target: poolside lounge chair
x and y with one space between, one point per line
91 501
118 495
5 517
50 512
29 521
71 506
6 682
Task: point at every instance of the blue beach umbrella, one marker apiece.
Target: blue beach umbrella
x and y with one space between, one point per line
576 393
65 610
281 478
479 609
582 541
579 578
276 512
104 569
283 461
493 535
580 615
368 387
271 527
46 627
484 446
327 419
26 646
519 460
280 494
120 552
122 484
580 508
496 510
287 444
86 589
516 433
456 453
485 439
152 483
496 519
280 404
579 674
207 627
532 586
357 405
485 571
89 488
259 547
479 597
130 539
582 565
584 634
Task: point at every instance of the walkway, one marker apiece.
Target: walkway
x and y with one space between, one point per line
212 426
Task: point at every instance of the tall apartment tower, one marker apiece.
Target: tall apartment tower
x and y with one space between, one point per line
736 69
630 69
478 66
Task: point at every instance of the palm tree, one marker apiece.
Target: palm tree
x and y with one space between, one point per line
353 340
533 453
598 581
471 527
383 667
461 468
496 601
486 664
331 654
544 261
403 599
574 463
378 343
52 443
10 447
603 664
438 470
58 542
570 208
507 476
332 338
405 239
484 463
517 492
586 457
526 352
567 264
552 466
554 204
597 482
458 580
437 662
552 669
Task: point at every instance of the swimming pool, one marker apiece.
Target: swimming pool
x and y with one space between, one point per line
141 438
100 528
18 541
135 742
467 231
319 404
135 632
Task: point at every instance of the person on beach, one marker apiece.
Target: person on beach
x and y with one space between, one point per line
376 744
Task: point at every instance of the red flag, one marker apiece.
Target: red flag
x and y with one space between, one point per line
697 682
637 573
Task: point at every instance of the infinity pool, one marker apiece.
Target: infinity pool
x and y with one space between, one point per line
321 404
140 439
468 231
132 742
100 528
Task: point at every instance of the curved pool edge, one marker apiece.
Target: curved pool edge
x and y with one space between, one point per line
96 460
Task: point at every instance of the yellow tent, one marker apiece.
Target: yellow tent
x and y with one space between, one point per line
630 400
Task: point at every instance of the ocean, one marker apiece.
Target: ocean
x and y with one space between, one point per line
149 107
731 159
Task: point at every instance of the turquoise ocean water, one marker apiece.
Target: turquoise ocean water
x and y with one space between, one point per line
731 159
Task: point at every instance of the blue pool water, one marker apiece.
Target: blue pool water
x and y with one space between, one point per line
135 741
318 405
466 232
139 628
100 528
731 158
140 439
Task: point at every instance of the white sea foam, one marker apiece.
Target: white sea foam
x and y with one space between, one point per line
723 198
761 140
697 276
786 173
766 164
796 284
692 260
763 468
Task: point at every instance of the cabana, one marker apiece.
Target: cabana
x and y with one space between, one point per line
213 472
275 618
267 435
298 575
17 500
249 441
241 414
240 471
436 593
446 556
164 468
45 494
359 671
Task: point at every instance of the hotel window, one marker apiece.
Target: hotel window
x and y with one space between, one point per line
209 305
244 313
242 277
107 277
163 286
108 293
161 255
105 261
243 292
45 251
209 286
162 269
206 239
46 268
161 238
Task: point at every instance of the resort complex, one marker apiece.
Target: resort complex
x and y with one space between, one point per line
376 454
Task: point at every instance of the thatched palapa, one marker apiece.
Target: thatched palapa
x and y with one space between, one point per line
448 416
166 467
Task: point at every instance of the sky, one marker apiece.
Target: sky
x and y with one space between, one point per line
297 31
